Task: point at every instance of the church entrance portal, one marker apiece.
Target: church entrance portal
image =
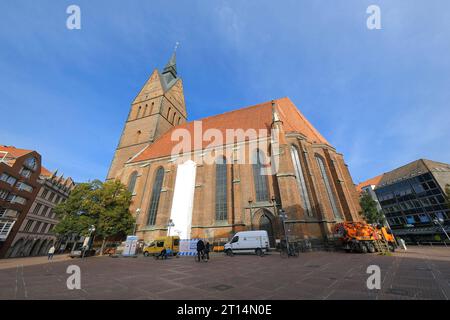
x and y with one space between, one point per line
266 224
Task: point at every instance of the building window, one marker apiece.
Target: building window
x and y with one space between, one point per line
28 225
25 173
259 177
31 163
132 182
36 226
8 179
5 228
424 218
44 193
23 186
221 189
138 112
4 194
151 108
301 181
156 193
2 211
44 226
16 199
37 208
52 195
326 181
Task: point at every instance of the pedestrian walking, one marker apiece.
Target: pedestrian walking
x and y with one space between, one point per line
51 252
200 249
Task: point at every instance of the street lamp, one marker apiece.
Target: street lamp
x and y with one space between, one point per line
250 202
170 225
283 217
439 222
138 211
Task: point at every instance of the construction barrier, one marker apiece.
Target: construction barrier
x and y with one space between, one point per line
188 247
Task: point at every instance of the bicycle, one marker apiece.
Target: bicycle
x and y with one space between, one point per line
294 251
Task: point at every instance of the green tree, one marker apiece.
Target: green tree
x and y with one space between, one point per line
369 209
104 205
114 216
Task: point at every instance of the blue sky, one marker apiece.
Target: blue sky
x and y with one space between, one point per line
381 97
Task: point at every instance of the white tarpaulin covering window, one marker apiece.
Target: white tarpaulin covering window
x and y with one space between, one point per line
183 200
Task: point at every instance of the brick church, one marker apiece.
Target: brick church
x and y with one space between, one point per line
212 187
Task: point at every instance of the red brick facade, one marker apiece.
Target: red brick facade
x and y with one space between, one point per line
243 211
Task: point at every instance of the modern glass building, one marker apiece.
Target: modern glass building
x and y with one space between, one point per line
413 200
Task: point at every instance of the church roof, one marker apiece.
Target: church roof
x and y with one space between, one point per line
254 117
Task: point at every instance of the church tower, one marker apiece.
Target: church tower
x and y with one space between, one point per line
158 107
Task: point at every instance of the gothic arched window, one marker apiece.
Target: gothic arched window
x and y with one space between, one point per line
151 108
221 189
138 112
156 192
301 180
259 178
326 181
132 182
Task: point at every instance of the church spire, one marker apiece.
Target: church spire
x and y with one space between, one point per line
171 66
170 70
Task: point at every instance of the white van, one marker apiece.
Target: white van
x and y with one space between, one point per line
248 242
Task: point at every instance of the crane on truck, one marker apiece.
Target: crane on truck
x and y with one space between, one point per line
362 237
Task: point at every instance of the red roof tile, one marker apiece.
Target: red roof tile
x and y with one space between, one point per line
373 181
254 117
14 152
45 172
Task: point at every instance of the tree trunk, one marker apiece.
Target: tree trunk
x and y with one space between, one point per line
103 246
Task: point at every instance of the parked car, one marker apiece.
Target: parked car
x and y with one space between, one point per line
78 253
248 242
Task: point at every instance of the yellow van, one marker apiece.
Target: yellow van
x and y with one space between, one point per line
169 242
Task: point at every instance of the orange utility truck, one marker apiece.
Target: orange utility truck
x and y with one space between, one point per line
362 237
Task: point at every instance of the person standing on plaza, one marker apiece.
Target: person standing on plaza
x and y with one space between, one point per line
200 249
402 244
51 252
207 250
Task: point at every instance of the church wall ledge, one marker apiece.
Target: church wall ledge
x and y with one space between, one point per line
218 226
310 221
285 174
